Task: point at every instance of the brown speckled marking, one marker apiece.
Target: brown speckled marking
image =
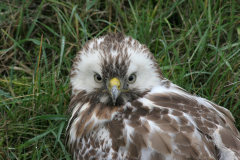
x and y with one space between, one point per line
164 128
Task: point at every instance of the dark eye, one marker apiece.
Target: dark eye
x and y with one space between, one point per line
97 78
132 78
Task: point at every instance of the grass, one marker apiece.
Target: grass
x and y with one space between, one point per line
195 42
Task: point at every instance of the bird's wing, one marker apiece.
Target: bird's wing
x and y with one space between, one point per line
165 124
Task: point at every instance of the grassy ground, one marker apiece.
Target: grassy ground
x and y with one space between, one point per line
195 42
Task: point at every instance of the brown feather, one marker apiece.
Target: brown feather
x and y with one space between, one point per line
183 139
230 140
165 119
140 140
183 120
133 151
157 156
142 111
144 128
177 113
170 128
189 129
161 142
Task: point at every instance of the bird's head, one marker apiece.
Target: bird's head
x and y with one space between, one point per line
107 73
113 70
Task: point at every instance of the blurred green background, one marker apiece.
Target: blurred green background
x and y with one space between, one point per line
197 45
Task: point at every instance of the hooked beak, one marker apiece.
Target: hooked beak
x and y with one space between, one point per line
114 88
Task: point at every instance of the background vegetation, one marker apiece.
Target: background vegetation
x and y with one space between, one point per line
197 45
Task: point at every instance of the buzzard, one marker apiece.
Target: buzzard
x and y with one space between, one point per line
122 108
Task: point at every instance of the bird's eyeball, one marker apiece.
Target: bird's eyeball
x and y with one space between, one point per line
132 78
98 78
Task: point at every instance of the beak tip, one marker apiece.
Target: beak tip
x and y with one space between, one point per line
114 93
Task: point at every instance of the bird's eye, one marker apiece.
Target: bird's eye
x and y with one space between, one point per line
132 78
97 78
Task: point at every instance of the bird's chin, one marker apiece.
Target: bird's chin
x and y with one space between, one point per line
107 100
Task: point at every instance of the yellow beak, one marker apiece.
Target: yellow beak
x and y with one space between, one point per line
114 88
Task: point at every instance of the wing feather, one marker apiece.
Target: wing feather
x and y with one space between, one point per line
161 142
162 126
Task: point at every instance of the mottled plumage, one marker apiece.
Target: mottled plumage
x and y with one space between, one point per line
123 108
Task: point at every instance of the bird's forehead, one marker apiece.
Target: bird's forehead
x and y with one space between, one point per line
114 65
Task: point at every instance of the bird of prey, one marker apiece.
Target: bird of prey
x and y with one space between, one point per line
122 107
